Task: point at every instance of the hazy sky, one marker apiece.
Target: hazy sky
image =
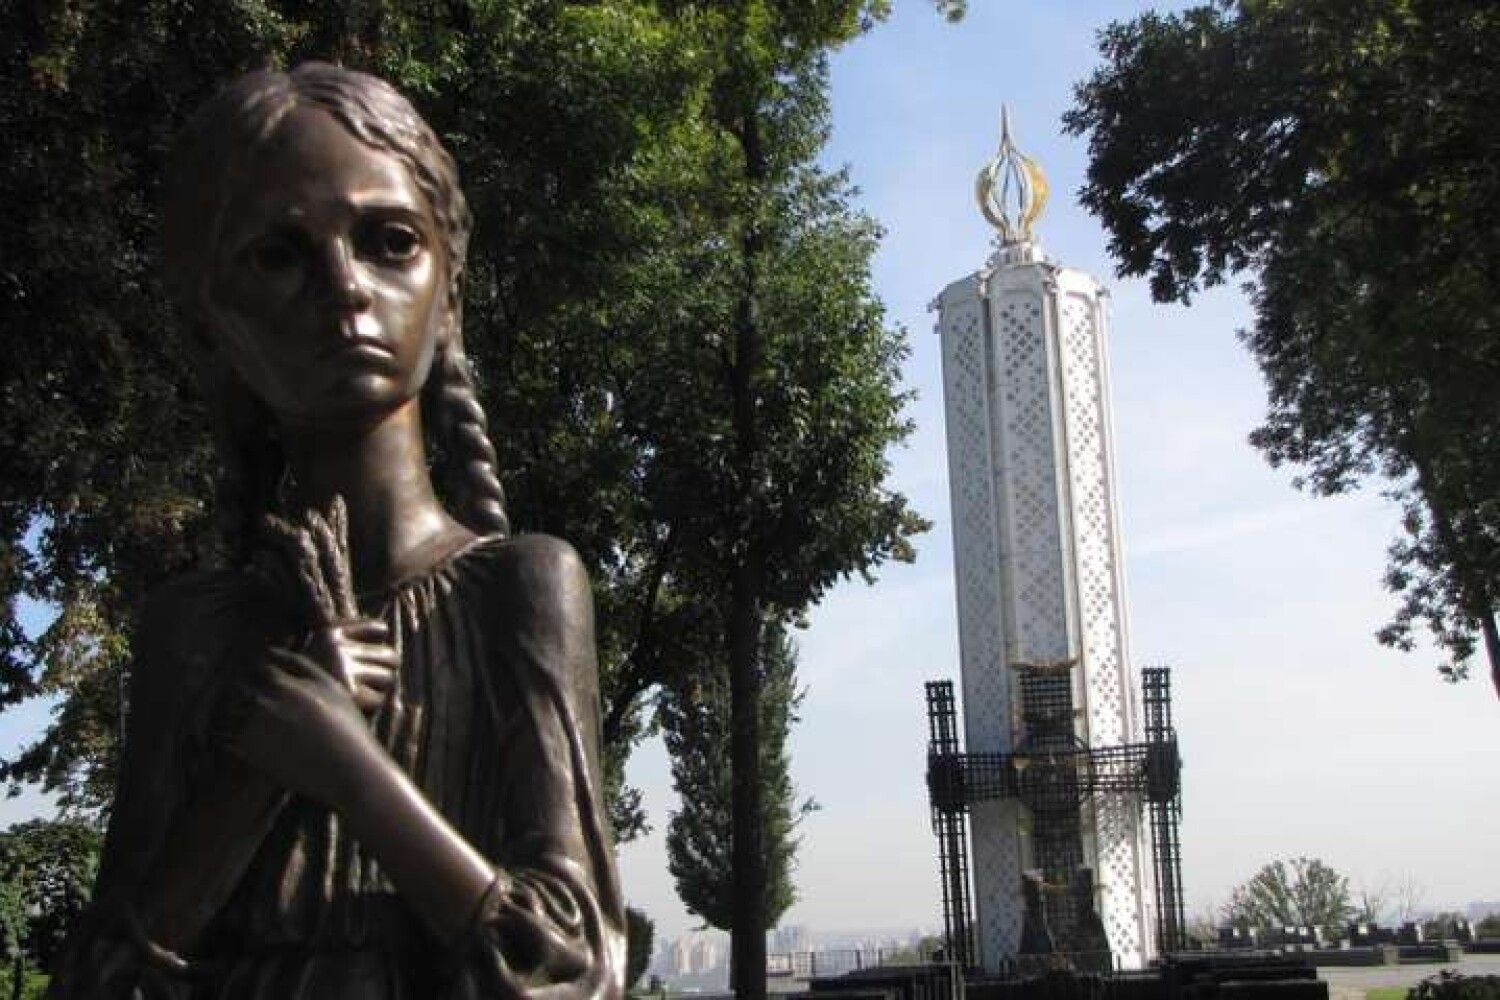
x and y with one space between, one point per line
1300 735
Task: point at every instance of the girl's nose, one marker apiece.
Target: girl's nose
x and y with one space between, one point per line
345 286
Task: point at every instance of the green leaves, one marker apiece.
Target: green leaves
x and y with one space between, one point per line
1299 892
694 716
46 876
602 150
1341 155
767 443
640 934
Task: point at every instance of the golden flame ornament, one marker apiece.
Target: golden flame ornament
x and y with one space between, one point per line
1011 189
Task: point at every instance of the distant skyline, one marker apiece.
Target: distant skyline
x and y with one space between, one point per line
1300 735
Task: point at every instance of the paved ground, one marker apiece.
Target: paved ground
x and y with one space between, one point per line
1351 984
1343 983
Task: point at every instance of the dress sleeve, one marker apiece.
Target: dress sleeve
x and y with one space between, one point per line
552 922
187 639
102 960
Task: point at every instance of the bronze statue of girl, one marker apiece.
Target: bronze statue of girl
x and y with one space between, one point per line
366 767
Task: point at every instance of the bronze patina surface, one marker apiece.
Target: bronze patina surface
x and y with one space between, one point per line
362 758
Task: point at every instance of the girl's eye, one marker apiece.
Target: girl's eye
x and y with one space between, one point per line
396 242
275 254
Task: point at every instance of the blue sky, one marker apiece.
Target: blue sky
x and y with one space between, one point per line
1300 734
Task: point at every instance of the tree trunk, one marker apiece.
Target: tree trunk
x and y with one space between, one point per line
1471 591
748 941
748 945
1491 647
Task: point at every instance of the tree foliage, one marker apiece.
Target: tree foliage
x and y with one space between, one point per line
1450 985
694 717
1300 892
1444 925
554 111
46 877
922 951
1342 155
1370 902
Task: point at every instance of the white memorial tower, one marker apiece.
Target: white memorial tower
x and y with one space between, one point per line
1041 594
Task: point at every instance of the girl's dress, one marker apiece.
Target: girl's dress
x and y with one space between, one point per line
491 718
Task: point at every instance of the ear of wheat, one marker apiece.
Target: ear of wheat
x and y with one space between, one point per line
317 551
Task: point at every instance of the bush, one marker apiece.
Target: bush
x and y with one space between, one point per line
1442 926
33 988
1451 986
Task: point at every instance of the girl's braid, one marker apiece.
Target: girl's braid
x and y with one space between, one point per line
467 452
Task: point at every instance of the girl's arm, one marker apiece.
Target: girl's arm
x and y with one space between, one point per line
186 639
213 839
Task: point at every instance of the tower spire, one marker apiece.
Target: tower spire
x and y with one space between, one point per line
1011 189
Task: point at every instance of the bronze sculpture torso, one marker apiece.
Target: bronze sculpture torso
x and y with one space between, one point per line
366 767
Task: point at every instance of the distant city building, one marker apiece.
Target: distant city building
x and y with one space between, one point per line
788 940
696 953
1479 909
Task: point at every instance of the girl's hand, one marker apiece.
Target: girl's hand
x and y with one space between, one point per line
358 654
302 727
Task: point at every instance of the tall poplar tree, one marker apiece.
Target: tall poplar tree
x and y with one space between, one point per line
793 380
694 716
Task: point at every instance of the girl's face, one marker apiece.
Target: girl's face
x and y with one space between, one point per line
328 284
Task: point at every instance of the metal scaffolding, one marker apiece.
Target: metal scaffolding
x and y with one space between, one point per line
1164 800
1052 774
951 826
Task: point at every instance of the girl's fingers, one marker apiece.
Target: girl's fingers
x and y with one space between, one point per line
366 630
383 657
374 677
368 699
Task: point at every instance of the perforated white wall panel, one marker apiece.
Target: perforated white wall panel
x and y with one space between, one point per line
967 375
1037 558
1121 855
1033 593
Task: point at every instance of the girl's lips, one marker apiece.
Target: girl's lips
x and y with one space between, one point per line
364 349
355 337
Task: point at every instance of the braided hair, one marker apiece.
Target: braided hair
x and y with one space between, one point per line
215 151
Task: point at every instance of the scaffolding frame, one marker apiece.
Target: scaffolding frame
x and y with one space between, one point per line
950 824
1052 774
1164 802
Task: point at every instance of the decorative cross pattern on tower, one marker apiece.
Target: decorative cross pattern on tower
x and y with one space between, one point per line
1053 785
